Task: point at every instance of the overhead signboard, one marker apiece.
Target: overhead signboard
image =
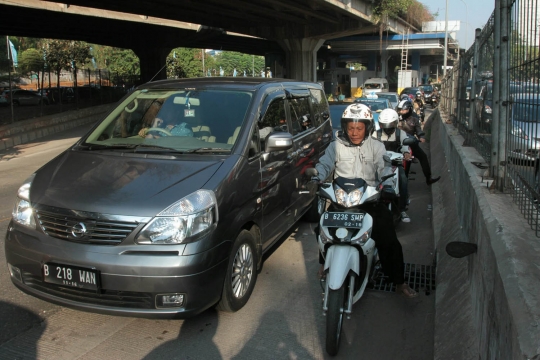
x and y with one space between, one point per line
439 26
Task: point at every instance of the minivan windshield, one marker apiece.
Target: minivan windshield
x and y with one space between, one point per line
373 86
180 120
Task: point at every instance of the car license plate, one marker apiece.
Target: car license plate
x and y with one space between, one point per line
343 219
72 276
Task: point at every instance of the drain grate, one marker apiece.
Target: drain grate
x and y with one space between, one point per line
419 277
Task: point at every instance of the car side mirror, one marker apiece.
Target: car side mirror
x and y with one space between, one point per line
278 141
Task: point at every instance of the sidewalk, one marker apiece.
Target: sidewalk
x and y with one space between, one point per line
25 131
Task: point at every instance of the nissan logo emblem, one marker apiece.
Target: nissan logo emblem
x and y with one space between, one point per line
78 230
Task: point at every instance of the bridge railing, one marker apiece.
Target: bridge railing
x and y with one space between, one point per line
492 95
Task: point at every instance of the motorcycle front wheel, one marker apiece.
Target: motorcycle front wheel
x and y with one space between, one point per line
334 319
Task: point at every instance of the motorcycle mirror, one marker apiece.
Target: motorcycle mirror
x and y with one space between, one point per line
459 249
409 141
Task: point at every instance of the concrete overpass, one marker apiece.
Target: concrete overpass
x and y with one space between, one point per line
288 34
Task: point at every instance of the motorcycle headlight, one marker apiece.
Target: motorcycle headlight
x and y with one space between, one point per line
182 220
23 213
350 199
488 109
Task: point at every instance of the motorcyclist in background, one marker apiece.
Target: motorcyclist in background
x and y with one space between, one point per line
419 104
355 154
411 125
392 138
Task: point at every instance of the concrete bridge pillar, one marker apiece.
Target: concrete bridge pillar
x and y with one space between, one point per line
152 61
415 60
301 55
372 61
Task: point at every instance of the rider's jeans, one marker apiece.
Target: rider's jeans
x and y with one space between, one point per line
403 189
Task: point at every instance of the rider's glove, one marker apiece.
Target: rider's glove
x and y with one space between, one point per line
312 186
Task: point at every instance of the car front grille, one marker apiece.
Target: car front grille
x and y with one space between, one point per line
84 230
124 299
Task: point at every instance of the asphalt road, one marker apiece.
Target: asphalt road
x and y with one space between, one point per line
282 320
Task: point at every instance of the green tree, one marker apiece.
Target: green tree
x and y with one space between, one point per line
184 63
31 62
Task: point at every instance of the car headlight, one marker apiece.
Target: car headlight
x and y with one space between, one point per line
350 199
185 218
23 213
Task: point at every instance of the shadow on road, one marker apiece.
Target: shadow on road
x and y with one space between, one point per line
17 320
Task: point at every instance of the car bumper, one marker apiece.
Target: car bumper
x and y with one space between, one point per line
131 277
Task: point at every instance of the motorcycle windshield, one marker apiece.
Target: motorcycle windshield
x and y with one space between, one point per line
349 184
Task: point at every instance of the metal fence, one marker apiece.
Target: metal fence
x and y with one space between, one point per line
49 93
492 97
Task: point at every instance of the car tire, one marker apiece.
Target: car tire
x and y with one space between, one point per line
241 273
317 207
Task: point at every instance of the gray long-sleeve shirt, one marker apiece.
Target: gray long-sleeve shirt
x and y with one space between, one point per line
352 161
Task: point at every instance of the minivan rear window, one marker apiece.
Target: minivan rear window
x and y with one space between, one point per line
179 120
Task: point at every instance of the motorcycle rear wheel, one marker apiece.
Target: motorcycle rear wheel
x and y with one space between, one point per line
334 319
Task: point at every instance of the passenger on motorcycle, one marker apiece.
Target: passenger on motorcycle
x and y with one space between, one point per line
392 138
355 154
411 125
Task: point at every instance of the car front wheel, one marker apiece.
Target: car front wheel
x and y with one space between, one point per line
241 273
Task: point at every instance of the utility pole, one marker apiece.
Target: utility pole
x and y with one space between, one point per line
445 38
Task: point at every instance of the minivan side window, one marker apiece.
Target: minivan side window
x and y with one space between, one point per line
274 120
300 115
320 106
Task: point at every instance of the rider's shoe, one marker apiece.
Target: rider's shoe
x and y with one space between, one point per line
404 217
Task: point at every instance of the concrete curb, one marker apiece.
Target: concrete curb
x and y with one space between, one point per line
487 304
25 131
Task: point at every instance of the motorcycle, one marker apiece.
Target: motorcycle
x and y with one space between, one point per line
420 111
344 238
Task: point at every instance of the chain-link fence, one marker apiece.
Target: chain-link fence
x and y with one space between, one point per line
48 93
492 98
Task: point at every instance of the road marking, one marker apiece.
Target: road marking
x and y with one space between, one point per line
5 219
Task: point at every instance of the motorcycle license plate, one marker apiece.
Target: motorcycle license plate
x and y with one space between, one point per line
340 219
72 276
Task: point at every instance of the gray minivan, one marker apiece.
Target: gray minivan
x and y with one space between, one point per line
166 207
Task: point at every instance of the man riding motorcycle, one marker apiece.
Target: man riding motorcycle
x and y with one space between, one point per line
419 104
411 125
392 138
356 154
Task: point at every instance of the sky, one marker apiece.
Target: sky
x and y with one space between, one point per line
474 12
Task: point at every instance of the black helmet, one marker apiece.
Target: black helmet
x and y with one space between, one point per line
405 105
357 113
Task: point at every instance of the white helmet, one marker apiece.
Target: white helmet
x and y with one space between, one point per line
418 94
357 113
388 119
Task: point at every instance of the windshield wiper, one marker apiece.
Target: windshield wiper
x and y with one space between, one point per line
156 148
208 149
91 147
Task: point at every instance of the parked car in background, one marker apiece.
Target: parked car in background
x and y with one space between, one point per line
483 104
166 207
24 97
524 139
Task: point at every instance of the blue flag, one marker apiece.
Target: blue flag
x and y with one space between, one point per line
13 54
